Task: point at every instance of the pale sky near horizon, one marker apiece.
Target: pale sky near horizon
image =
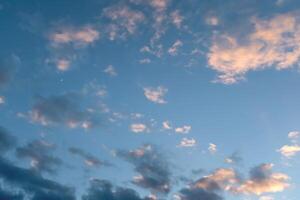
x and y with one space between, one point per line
149 99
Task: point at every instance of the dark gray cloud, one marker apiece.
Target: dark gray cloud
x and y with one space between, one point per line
41 156
62 110
104 190
152 167
33 183
198 194
89 159
6 140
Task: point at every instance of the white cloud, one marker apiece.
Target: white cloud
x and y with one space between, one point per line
2 100
78 36
212 21
212 148
173 50
63 64
138 128
185 142
145 61
294 135
156 95
166 125
111 70
184 129
273 43
266 198
176 18
289 150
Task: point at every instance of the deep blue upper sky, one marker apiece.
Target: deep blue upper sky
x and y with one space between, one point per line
149 99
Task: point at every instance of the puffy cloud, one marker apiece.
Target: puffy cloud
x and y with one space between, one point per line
212 20
7 141
40 154
79 37
184 129
63 64
173 50
89 159
212 148
176 18
166 125
110 70
294 135
152 168
185 142
62 110
124 20
2 100
272 43
138 128
263 180
289 150
156 95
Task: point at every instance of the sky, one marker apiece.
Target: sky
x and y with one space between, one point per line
149 100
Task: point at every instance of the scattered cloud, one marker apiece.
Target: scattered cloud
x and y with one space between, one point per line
289 150
176 18
156 95
184 129
124 21
166 125
152 168
138 128
40 154
63 64
272 43
173 50
110 70
77 36
185 142
212 148
145 61
89 160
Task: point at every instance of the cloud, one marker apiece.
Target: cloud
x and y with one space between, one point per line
234 158
289 150
273 43
145 61
156 95
266 198
184 129
2 100
33 184
110 70
212 20
173 50
7 141
41 157
176 18
197 194
10 195
62 110
63 64
212 148
152 168
263 180
293 135
77 36
166 125
138 128
89 159
102 189
124 21
185 142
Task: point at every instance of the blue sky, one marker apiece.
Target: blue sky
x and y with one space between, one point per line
149 99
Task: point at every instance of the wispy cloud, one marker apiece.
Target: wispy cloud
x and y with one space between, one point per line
185 142
138 128
110 70
184 129
156 95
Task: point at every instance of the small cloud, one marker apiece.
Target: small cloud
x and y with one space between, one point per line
289 150
184 130
266 198
294 135
63 64
145 61
234 158
212 148
166 125
173 50
176 18
156 95
110 70
138 128
212 21
2 100
185 142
